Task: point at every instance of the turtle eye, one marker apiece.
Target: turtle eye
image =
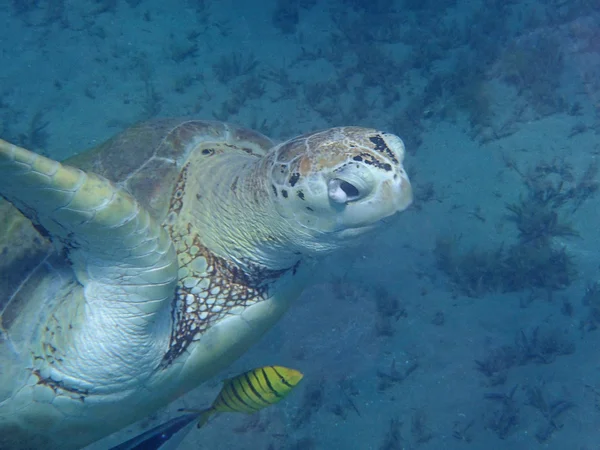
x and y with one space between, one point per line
341 191
350 190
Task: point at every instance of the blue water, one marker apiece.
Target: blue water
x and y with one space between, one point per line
473 322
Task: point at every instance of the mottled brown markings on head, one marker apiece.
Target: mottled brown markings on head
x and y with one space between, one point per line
373 161
280 174
336 154
294 179
305 166
382 147
291 150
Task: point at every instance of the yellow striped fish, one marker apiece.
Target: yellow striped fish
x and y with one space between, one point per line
252 391
247 393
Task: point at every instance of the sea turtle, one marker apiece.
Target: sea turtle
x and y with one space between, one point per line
161 258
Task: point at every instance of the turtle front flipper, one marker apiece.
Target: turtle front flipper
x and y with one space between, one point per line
118 251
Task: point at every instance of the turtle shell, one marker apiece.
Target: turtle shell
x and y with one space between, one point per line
145 160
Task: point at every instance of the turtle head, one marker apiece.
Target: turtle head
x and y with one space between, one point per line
339 183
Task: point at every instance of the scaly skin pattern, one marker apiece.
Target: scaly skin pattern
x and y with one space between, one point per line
165 275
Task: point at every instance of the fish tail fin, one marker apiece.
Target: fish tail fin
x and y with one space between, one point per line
191 410
204 416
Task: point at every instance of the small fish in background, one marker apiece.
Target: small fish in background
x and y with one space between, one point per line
247 393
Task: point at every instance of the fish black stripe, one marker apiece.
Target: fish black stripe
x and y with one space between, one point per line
222 400
261 384
241 400
254 390
232 402
253 403
277 394
283 380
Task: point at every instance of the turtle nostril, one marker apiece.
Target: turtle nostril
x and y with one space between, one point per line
349 189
